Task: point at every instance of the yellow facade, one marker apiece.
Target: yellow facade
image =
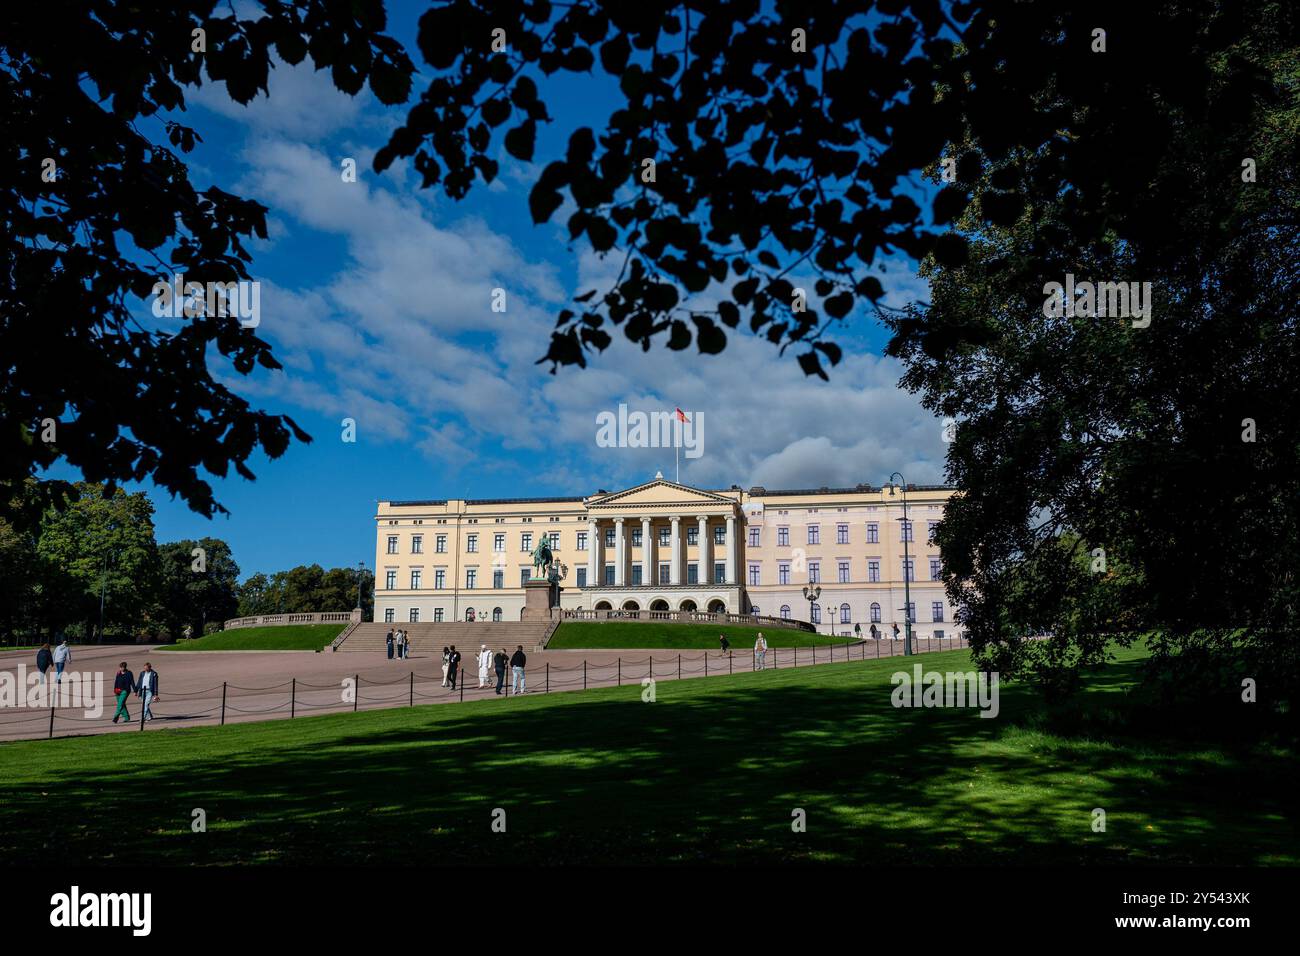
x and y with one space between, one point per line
665 546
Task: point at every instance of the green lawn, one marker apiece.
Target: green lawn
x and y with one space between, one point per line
290 637
710 772
616 634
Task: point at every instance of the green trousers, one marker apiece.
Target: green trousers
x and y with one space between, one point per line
121 705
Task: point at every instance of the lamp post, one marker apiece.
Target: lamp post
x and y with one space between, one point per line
361 576
907 578
812 593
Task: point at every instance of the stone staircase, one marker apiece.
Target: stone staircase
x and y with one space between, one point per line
430 639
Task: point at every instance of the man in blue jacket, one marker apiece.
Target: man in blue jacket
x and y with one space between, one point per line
123 686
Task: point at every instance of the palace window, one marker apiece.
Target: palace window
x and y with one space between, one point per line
636 575
936 569
754 575
471 578
440 544
440 579
936 611
415 615
907 528
875 613
526 541
911 611
498 579
498 542
582 541
844 572
437 615
783 574
417 544
873 533
719 534
846 616
665 537
496 614
392 544
908 574
389 616
873 572
929 534
636 537
814 572
555 540
416 576
783 537
525 574
390 581
582 577
841 534
814 534
785 612
471 543
609 537
693 535
665 574
609 575
720 573
753 537
816 610
692 573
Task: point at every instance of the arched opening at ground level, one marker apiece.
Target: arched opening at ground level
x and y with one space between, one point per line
604 606
631 606
687 605
717 607
659 604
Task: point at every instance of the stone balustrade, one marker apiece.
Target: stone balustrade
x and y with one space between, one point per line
683 617
271 620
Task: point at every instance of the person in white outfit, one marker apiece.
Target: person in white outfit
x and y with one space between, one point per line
760 652
484 663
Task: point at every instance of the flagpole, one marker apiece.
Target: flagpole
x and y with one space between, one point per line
678 449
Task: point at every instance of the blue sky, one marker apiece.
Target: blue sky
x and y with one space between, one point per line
376 296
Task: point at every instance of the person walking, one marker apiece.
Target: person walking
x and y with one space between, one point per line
760 652
453 666
499 662
403 645
123 687
388 642
484 662
147 688
44 661
446 662
62 657
724 643
518 661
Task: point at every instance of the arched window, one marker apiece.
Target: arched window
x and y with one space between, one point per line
816 613
469 614
753 609
496 614
846 616
875 613
785 612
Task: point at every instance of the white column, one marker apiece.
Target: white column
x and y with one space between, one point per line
647 548
731 549
593 553
704 576
675 570
620 553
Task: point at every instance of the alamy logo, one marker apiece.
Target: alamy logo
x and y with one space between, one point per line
178 298
954 689
675 429
1123 300
103 909
84 689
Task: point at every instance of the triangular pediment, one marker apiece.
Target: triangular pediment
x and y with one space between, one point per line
659 491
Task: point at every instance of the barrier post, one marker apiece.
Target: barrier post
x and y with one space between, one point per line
356 697
548 677
293 699
584 673
679 666
223 703
462 685
411 697
51 723
728 662
620 672
706 663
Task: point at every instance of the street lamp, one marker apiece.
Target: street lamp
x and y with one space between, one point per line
907 578
361 576
812 593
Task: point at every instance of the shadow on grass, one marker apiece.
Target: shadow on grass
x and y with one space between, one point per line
705 774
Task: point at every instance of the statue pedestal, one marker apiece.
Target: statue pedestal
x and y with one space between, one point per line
540 596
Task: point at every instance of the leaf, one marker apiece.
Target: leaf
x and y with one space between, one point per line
519 142
543 202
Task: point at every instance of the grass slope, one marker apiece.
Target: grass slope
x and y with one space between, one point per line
616 634
710 772
290 637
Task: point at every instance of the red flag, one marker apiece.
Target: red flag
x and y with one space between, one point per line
681 416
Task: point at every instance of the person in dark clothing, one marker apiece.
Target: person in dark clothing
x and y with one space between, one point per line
388 642
123 686
724 643
499 663
518 661
453 665
44 660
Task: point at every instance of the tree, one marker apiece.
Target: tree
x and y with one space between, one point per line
1120 476
100 551
199 584
97 207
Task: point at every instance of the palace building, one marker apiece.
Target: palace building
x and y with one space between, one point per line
663 546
